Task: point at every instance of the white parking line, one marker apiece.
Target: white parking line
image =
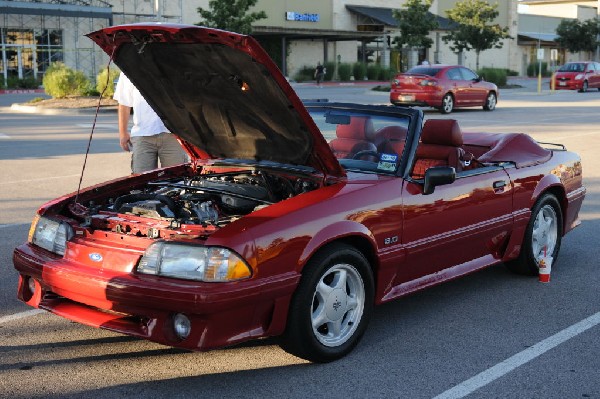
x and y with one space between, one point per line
4 226
22 315
493 373
39 179
99 125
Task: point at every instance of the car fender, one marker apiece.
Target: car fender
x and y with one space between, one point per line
546 183
334 232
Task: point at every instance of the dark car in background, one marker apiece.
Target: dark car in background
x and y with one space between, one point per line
444 87
578 76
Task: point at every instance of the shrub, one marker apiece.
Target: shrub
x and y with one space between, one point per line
494 75
359 70
306 73
344 71
329 69
533 69
104 80
386 74
373 71
61 81
14 82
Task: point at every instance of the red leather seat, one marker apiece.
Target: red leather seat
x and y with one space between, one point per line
353 137
441 142
390 139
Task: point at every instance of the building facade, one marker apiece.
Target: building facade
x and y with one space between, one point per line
34 34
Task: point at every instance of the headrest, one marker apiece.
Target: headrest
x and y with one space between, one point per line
359 128
442 132
391 133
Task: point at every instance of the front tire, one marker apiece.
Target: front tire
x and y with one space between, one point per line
332 305
584 87
447 104
490 102
543 235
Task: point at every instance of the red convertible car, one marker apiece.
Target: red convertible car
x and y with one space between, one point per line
444 87
271 230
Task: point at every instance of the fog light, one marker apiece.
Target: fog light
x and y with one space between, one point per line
182 326
31 285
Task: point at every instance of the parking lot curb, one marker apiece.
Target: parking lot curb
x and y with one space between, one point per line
32 109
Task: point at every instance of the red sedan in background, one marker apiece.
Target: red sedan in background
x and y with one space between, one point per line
444 87
578 76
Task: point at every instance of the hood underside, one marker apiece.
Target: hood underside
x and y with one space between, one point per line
220 92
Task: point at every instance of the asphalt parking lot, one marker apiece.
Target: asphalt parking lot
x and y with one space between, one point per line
489 335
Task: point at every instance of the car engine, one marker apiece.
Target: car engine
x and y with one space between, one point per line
209 199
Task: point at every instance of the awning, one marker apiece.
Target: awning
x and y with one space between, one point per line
306 34
535 36
385 16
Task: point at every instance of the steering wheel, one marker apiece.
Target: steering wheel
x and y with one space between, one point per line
365 153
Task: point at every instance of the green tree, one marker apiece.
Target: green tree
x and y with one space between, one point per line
577 36
231 15
474 28
415 22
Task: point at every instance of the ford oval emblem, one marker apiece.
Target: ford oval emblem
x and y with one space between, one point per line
95 257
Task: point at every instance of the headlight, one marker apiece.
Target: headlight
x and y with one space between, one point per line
50 234
579 76
193 262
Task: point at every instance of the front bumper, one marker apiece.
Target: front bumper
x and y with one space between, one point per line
221 314
568 85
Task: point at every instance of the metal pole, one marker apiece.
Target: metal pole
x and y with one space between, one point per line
539 67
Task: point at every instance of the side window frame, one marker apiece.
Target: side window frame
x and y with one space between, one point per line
453 74
466 73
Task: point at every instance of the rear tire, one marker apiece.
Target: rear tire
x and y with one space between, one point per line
332 305
447 104
543 230
490 102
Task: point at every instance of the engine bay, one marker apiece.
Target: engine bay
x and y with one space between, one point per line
210 200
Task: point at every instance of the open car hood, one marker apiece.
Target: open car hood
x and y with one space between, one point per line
220 92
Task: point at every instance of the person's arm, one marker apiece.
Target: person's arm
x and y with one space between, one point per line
124 136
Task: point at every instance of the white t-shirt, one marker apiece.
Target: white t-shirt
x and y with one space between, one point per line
145 120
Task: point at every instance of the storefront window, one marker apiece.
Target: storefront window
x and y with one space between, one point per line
27 53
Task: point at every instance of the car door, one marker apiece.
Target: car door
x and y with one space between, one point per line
475 87
458 86
594 75
463 225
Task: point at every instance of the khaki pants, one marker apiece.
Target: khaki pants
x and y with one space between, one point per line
147 150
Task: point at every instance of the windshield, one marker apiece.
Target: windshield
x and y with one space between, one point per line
575 67
364 142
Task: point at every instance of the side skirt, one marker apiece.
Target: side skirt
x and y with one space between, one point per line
439 277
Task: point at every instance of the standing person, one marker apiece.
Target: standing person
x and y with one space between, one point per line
319 73
149 139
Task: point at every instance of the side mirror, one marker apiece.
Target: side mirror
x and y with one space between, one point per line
478 79
438 176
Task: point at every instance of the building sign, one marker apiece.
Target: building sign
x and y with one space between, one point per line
304 17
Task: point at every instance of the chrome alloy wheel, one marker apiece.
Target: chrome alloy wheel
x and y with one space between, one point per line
545 232
447 104
490 102
337 305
